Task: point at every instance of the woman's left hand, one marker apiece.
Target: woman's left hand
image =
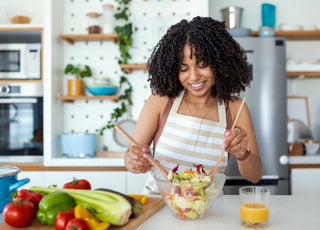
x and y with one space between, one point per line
236 142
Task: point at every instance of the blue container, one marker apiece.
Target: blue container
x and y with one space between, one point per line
102 89
268 15
9 183
78 145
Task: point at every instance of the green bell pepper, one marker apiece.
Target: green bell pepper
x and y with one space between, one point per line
53 203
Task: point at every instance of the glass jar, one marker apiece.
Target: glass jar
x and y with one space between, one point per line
93 23
108 19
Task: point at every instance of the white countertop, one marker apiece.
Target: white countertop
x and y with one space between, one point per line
286 213
307 159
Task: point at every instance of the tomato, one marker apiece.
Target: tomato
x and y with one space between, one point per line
78 184
25 194
19 214
77 224
62 219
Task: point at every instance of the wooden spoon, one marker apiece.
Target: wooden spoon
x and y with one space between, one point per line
150 158
213 171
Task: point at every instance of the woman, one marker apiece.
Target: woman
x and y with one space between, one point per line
195 71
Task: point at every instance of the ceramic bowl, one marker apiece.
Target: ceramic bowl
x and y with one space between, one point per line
102 89
101 80
311 147
190 200
239 32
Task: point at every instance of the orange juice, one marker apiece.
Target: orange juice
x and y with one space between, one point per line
254 212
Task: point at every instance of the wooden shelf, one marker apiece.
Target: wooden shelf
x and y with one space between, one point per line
128 68
20 27
72 38
298 74
71 99
295 34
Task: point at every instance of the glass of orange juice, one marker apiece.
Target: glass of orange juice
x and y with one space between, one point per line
254 209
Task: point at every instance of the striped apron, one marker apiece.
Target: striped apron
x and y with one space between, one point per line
187 140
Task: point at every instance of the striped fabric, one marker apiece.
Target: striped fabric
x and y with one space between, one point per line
188 140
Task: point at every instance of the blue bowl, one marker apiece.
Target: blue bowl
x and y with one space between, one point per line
102 89
240 32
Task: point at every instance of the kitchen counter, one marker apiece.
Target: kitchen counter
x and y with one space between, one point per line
286 213
307 159
101 159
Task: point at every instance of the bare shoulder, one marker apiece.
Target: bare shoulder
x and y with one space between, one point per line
156 102
235 104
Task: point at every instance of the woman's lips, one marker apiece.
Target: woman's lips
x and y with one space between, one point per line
198 86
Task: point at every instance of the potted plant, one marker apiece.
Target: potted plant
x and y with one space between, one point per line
75 85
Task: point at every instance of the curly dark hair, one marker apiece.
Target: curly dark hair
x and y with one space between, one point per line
212 44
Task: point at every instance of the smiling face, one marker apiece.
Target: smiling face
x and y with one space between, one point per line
197 78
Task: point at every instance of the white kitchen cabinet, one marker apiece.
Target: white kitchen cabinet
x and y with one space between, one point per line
135 182
36 178
305 181
122 181
98 179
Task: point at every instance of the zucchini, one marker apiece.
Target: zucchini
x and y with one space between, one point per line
135 204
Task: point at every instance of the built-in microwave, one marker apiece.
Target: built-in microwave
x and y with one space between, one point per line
20 61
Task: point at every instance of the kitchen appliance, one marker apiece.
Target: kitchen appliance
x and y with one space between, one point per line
267 101
9 183
21 119
20 61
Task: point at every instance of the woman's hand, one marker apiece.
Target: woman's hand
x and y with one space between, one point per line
134 160
236 142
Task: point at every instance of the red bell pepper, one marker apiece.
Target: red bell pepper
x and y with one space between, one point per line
25 194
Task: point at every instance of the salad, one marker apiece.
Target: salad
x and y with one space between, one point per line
190 193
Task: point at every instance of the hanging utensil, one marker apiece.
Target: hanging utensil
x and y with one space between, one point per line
128 124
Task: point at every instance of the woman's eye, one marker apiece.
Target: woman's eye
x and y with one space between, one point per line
183 69
202 65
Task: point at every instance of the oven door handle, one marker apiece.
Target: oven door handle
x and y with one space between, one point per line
17 100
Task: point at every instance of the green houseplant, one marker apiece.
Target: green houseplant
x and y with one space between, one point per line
75 85
124 31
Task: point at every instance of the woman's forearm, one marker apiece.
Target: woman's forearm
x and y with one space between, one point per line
251 168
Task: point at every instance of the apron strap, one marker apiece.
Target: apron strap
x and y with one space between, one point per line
162 122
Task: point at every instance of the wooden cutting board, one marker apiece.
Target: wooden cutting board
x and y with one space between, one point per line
152 205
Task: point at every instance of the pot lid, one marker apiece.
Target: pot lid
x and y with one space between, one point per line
8 170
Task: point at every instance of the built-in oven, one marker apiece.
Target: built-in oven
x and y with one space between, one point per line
21 119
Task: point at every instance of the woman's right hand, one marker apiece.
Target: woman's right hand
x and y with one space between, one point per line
134 160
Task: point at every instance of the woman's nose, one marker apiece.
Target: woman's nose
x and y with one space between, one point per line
194 74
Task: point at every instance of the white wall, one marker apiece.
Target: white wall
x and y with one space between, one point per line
304 13
152 19
35 7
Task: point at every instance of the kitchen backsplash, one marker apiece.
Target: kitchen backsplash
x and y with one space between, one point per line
152 18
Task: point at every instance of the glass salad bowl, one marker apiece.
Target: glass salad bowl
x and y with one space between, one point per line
190 200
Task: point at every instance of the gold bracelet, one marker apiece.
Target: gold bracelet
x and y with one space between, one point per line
245 156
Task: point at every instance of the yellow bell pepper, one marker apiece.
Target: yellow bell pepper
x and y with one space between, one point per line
141 198
93 222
